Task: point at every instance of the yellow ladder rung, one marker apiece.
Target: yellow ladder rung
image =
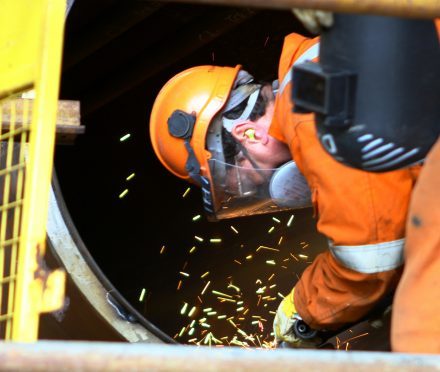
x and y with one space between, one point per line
12 169
8 279
11 205
5 317
14 132
9 242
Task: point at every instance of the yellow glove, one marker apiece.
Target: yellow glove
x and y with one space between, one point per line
288 326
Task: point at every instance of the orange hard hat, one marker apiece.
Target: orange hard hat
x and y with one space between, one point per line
191 98
187 124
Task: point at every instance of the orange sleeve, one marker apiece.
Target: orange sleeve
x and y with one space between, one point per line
329 295
416 314
353 208
294 44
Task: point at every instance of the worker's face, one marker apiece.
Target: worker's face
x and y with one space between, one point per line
264 150
242 186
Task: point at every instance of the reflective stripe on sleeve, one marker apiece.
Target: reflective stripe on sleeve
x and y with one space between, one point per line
371 258
309 55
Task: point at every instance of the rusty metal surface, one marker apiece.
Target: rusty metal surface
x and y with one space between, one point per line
402 8
56 356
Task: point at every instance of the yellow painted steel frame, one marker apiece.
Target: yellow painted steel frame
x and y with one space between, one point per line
31 34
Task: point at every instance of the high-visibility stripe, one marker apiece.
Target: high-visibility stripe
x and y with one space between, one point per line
309 55
371 258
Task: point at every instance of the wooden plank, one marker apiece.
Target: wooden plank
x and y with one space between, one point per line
68 118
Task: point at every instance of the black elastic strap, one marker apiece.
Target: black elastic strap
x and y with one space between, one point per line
181 125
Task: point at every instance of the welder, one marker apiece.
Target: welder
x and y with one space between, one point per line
235 138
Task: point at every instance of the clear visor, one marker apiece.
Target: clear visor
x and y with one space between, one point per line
243 190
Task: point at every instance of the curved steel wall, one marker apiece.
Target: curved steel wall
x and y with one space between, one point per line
94 309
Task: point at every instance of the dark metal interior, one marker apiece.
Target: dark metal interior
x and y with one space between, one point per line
117 56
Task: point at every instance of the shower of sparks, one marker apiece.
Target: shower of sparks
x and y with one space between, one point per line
234 287
186 192
192 311
182 331
123 193
206 286
265 42
141 297
184 307
130 177
294 257
354 338
267 248
242 311
125 137
221 294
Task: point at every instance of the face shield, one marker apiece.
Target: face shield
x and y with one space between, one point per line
239 187
243 191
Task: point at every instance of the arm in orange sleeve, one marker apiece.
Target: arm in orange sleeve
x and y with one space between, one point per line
415 326
358 212
328 295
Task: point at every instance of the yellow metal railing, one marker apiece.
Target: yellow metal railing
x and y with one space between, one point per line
31 33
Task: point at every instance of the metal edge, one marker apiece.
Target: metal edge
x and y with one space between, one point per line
89 278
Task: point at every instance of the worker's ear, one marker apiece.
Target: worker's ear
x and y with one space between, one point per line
250 133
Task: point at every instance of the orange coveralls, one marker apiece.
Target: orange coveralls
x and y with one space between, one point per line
415 323
416 311
361 214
